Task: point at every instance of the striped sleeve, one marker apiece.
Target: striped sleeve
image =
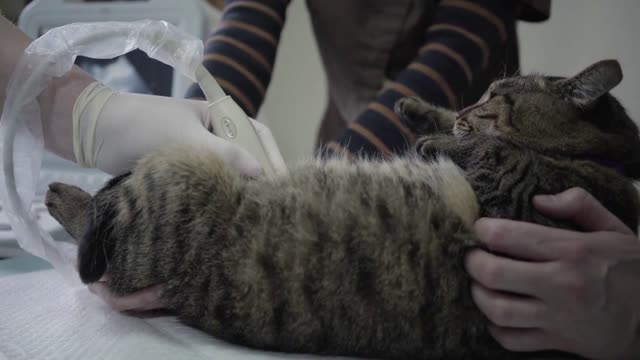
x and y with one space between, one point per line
240 53
458 46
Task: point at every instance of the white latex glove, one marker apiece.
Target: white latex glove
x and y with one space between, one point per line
112 130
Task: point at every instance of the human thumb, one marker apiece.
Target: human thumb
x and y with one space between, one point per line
580 207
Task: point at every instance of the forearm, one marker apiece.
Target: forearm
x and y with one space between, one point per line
12 45
460 42
241 52
56 101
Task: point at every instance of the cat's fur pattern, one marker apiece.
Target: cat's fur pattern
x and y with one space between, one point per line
342 258
316 261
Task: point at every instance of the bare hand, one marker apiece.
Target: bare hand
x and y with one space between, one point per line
142 300
577 292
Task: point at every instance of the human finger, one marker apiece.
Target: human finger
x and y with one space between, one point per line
142 300
504 274
580 207
507 310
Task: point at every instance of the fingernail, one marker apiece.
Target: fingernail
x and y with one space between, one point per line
544 199
480 222
481 226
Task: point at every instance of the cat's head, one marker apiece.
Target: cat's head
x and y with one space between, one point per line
574 117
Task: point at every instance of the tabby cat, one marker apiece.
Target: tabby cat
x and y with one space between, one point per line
360 258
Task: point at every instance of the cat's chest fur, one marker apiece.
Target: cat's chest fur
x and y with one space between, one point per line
505 177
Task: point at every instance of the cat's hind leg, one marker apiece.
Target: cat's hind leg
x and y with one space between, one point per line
68 204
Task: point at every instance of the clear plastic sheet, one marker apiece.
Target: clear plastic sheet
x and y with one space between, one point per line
21 140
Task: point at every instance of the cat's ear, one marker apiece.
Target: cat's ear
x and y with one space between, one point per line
94 248
591 83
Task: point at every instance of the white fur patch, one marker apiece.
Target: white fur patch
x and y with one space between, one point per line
456 190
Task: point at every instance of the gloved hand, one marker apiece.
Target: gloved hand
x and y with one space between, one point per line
112 130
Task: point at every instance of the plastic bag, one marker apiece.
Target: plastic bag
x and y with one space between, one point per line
21 140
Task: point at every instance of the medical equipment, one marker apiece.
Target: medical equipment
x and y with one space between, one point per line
188 15
52 55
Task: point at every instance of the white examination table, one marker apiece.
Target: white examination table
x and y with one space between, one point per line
41 317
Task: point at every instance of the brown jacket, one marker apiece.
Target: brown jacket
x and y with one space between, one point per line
365 42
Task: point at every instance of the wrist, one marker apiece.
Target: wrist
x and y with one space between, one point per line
86 110
56 108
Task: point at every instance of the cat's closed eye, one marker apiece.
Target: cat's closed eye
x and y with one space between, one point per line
487 116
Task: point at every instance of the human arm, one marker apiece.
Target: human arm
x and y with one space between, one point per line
460 42
580 290
241 52
127 126
458 47
57 99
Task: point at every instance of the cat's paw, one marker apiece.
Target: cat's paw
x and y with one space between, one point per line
423 117
411 109
68 205
429 147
